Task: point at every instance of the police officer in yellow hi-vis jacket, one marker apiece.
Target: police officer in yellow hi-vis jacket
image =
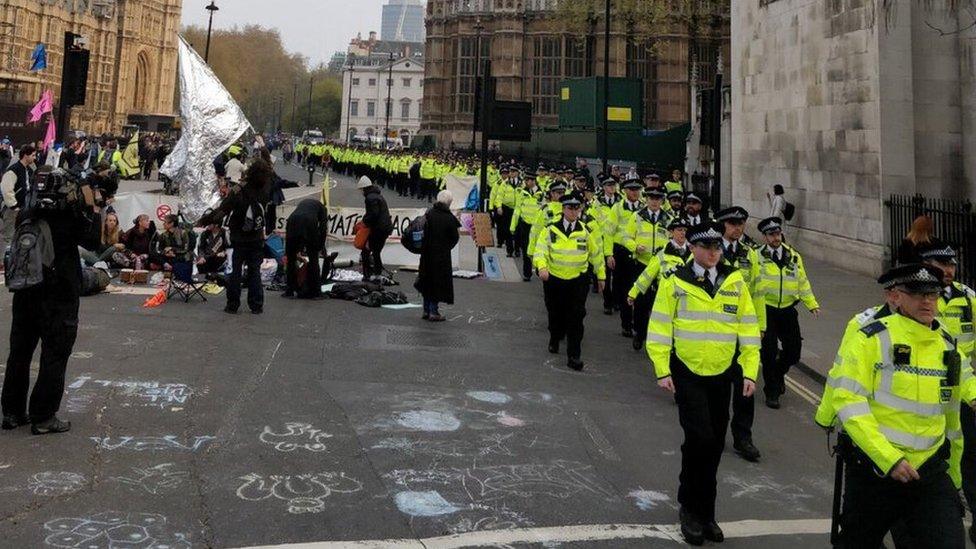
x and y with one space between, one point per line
784 283
564 251
528 203
702 314
897 379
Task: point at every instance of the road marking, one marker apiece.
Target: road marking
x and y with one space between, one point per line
576 534
805 394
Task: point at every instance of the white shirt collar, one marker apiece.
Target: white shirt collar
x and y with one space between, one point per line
776 252
675 244
567 223
701 271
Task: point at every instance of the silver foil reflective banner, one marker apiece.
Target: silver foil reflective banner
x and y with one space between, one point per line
212 121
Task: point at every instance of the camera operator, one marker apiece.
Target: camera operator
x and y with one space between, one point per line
46 311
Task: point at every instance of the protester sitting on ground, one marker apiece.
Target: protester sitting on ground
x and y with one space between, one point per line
921 235
171 246
110 242
212 252
138 242
435 280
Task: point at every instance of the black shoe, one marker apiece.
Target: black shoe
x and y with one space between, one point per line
637 344
554 347
972 533
257 311
288 294
608 311
526 278
230 310
12 422
747 450
713 532
691 528
426 316
772 402
575 364
50 427
627 333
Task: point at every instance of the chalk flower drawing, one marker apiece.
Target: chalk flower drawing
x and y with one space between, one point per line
303 493
151 444
159 479
115 529
54 483
296 436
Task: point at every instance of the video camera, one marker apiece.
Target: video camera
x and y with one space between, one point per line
57 190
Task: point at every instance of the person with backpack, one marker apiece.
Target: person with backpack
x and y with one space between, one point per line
779 207
435 281
13 186
44 273
245 207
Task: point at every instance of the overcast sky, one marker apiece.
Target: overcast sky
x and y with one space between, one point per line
314 28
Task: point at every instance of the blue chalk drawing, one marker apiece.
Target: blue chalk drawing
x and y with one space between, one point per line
428 420
424 504
648 499
493 397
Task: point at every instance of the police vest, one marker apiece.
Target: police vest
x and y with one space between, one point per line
568 256
661 266
785 283
641 231
956 316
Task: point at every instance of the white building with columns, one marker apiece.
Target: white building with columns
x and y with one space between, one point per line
366 85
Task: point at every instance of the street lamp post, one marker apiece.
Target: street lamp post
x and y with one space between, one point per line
211 8
308 116
478 27
389 105
294 106
349 100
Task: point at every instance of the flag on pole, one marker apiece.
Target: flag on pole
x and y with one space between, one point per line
44 106
129 165
51 134
39 58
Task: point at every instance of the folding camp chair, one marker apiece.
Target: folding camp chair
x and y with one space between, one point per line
184 284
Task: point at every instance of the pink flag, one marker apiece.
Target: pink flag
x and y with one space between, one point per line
50 136
44 106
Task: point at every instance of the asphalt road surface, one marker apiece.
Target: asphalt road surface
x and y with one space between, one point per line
328 422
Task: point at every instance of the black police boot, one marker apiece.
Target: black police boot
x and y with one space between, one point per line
691 528
554 347
608 311
12 422
637 343
772 402
747 450
713 532
628 333
50 427
575 364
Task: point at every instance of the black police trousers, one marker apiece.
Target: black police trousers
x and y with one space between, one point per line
566 305
48 316
522 231
623 279
928 509
703 411
642 310
968 418
504 232
782 326
743 407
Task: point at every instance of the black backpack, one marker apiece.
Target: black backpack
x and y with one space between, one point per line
789 211
413 237
250 218
31 251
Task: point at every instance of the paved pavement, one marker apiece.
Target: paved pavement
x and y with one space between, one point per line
331 422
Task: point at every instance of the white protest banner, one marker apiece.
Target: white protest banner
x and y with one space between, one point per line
128 206
461 187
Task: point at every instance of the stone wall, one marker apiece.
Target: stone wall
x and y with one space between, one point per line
843 106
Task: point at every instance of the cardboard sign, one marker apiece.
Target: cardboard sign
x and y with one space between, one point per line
483 235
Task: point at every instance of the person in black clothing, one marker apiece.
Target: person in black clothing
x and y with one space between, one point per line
245 205
212 251
305 231
380 225
435 280
47 313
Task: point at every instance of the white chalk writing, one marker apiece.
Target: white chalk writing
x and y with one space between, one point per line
296 436
303 493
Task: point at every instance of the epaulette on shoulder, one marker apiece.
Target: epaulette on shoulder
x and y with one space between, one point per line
873 329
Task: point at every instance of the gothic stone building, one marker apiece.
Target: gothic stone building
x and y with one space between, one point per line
530 55
133 68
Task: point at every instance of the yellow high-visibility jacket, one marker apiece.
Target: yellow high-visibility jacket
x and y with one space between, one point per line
784 286
568 256
747 260
703 331
615 225
641 231
503 194
600 209
956 316
900 390
661 266
527 206
549 213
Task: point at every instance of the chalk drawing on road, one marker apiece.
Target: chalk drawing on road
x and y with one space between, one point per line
296 436
152 444
78 403
153 394
493 397
649 499
82 355
509 421
428 420
56 483
762 487
155 480
302 493
428 503
115 529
